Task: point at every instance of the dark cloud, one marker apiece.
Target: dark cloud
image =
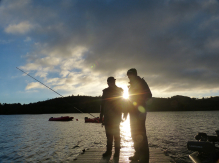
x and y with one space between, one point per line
173 44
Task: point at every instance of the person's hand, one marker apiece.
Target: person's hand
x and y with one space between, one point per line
124 117
103 123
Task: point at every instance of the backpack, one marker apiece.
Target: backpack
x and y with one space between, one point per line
147 91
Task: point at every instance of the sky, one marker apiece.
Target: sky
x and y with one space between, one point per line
72 46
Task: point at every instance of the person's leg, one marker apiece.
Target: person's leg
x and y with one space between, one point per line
138 132
134 129
109 136
117 140
143 145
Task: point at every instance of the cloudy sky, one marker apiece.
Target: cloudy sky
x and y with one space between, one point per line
72 46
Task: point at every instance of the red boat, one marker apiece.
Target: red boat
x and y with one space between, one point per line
66 118
92 120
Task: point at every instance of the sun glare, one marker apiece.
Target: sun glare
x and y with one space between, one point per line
126 93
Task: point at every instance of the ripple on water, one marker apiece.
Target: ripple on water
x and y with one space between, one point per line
32 138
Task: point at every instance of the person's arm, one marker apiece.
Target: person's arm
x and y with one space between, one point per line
125 114
102 108
101 113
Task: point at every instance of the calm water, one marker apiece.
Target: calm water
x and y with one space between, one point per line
32 138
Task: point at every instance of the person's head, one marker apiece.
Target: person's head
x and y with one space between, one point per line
132 73
111 81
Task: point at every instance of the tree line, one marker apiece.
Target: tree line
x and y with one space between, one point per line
89 104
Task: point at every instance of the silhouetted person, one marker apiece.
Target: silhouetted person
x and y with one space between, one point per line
139 94
111 109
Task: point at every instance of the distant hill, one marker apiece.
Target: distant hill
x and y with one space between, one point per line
183 103
88 104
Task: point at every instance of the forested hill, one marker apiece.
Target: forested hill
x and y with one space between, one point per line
88 104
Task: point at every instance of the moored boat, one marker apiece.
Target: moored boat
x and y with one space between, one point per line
92 120
65 118
205 149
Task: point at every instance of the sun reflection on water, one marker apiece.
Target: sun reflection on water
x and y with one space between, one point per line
126 139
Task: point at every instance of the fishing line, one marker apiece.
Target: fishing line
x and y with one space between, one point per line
51 89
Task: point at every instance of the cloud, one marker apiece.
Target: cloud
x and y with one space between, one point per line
27 39
34 85
5 41
78 44
20 28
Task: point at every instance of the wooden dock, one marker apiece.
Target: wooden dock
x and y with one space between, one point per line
94 155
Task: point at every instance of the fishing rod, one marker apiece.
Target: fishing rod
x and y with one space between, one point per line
51 89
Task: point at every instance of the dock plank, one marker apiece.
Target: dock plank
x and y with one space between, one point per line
94 155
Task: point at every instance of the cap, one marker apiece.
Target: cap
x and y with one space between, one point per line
110 79
132 71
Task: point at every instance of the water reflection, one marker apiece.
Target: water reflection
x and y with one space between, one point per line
126 140
26 138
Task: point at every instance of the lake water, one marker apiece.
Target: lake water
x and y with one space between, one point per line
32 138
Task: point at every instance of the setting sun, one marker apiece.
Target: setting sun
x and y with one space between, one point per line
125 93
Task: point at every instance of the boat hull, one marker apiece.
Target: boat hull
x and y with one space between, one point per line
197 158
194 157
92 120
66 118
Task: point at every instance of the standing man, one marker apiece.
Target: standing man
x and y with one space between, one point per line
111 109
139 94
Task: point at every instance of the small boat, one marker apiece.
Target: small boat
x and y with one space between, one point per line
205 149
92 120
66 118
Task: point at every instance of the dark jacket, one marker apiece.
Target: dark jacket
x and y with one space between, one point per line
112 105
139 92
